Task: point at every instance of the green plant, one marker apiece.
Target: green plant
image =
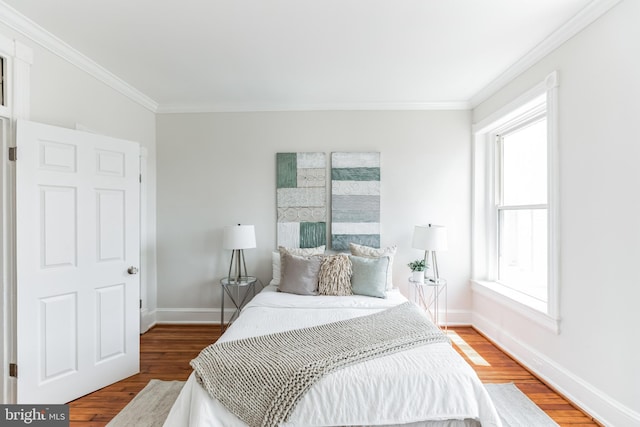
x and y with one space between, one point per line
417 265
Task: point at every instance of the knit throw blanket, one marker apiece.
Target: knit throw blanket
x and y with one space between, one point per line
261 379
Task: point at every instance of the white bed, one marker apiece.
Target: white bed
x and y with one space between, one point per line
426 386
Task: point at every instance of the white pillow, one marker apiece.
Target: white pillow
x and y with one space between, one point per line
369 252
275 267
276 263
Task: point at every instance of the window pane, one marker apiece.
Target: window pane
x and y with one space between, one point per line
524 165
522 262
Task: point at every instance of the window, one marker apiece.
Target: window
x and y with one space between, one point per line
521 208
515 205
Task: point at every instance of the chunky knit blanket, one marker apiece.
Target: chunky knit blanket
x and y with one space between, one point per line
261 379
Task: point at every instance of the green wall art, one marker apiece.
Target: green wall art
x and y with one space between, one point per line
301 199
355 199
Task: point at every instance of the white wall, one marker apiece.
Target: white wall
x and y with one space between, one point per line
594 358
63 95
219 169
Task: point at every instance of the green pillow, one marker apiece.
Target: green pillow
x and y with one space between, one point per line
369 276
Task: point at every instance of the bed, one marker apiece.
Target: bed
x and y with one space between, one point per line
426 386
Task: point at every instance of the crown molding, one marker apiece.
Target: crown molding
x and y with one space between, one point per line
245 108
33 31
20 23
580 21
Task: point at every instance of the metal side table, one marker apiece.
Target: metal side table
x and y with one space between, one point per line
238 292
427 295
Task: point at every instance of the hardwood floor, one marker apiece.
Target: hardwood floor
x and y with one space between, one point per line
500 368
165 352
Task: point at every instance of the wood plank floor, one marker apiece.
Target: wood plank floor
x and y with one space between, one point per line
165 352
500 368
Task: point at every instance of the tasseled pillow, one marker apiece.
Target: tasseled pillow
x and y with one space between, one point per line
335 276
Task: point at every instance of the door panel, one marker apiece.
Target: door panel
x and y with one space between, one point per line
59 336
110 327
57 157
77 233
111 225
58 219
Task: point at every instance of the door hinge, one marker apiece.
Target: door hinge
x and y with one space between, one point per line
140 177
13 370
140 303
13 154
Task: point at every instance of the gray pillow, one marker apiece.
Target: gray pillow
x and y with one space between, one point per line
369 276
299 274
276 263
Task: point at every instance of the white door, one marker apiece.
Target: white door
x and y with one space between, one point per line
77 214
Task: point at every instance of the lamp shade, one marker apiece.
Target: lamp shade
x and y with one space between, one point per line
239 237
430 237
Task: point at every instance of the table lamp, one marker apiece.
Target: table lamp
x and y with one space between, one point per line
237 238
431 239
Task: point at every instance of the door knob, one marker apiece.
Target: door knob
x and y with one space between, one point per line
132 270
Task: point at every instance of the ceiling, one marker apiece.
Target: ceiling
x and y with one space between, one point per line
244 55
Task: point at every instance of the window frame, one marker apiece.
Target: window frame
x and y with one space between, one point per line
18 58
485 227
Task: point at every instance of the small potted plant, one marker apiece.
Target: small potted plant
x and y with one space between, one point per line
417 267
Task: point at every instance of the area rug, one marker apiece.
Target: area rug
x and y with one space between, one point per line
150 407
515 408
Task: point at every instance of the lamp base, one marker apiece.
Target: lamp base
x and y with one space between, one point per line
431 269
240 268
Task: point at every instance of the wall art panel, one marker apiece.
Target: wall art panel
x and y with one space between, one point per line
355 199
301 199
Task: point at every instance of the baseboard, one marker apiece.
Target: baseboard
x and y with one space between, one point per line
212 316
588 398
456 318
147 320
191 315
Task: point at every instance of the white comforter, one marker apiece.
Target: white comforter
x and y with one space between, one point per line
430 382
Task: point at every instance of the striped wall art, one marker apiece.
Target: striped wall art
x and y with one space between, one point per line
355 199
301 199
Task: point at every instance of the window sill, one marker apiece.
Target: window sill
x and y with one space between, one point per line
525 305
